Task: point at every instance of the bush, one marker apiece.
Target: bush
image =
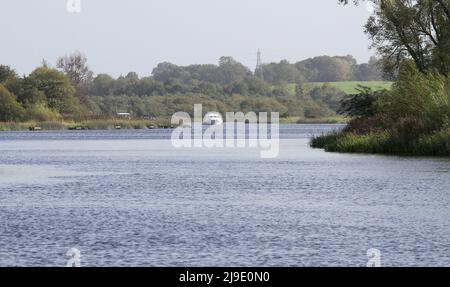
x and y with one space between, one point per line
354 143
412 119
437 144
369 143
41 113
422 96
361 105
325 140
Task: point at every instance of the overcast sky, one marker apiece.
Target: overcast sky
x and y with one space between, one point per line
119 36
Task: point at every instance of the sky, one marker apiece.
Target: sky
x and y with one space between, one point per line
119 36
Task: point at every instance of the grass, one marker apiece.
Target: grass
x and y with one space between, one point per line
324 120
13 126
350 87
436 144
105 124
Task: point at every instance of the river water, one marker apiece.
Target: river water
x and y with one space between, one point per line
128 198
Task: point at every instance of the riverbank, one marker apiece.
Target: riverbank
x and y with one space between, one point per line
110 124
413 118
104 124
435 144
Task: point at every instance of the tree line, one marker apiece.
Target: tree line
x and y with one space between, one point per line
71 90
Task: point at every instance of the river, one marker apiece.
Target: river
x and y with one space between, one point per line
128 198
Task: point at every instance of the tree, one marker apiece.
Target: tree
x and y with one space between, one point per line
165 72
418 30
102 85
30 95
283 72
57 88
205 73
231 71
424 97
327 94
76 68
6 73
10 109
283 90
227 72
257 87
147 86
132 77
369 71
327 69
361 105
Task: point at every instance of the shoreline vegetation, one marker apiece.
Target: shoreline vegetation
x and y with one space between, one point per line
137 124
413 117
435 144
104 124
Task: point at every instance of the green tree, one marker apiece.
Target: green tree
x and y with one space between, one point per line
257 87
327 69
231 71
422 96
31 95
165 72
56 86
283 72
418 30
327 94
369 71
102 85
362 105
147 86
6 73
10 109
